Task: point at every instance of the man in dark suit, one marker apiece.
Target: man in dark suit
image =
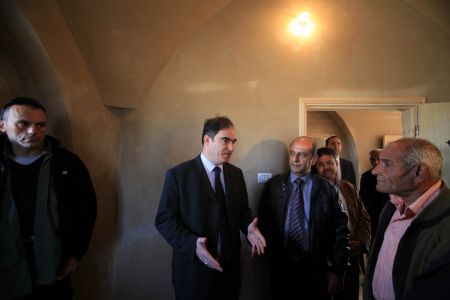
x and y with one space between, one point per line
374 200
303 220
203 207
346 170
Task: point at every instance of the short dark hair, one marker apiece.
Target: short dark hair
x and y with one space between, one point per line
212 126
326 151
331 137
21 101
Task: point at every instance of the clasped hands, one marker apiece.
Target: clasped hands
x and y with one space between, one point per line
254 237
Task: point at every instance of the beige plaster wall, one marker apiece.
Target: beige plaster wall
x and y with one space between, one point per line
237 60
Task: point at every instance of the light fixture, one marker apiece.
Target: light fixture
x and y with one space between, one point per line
302 25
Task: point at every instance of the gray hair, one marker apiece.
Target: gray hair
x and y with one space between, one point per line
421 151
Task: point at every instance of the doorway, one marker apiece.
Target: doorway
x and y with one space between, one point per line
348 118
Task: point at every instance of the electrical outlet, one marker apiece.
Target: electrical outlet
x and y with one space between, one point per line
263 177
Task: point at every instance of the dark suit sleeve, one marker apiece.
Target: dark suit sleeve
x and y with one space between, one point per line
347 170
77 202
352 174
341 251
168 222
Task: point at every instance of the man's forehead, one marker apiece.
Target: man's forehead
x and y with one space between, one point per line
26 111
302 146
229 133
325 158
392 152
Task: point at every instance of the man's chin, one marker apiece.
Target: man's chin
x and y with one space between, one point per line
226 159
381 188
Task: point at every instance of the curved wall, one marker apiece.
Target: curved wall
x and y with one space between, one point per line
234 58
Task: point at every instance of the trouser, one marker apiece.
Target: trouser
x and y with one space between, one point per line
298 280
59 290
351 282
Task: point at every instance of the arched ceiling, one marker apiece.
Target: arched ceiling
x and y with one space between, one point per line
126 44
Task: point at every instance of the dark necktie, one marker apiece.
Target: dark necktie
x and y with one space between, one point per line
297 235
225 240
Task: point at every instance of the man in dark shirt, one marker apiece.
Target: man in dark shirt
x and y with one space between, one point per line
47 204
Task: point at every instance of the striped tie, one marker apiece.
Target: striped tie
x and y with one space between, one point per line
297 235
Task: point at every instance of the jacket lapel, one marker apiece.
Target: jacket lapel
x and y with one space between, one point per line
286 189
203 177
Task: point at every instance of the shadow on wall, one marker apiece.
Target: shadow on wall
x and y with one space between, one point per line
268 156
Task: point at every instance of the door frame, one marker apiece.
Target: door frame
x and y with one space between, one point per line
409 106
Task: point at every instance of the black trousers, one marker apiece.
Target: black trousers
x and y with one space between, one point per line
351 282
59 290
298 280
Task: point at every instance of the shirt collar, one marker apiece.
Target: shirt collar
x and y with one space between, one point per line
305 178
208 165
417 206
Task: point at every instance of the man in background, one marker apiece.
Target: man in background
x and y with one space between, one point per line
346 170
410 252
359 222
203 207
305 226
47 207
373 200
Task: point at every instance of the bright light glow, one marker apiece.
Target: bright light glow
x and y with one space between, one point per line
302 25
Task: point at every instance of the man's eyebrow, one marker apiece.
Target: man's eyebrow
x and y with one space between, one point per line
227 139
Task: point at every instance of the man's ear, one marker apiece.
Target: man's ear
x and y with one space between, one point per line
421 172
313 160
2 126
206 139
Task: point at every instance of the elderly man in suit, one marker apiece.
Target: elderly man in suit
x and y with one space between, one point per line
203 207
346 170
303 220
410 254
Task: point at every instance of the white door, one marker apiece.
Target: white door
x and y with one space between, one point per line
434 125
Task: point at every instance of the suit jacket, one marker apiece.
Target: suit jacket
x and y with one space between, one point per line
357 217
188 210
328 224
422 253
347 170
373 200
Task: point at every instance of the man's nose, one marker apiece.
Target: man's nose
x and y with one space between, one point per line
32 129
375 169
